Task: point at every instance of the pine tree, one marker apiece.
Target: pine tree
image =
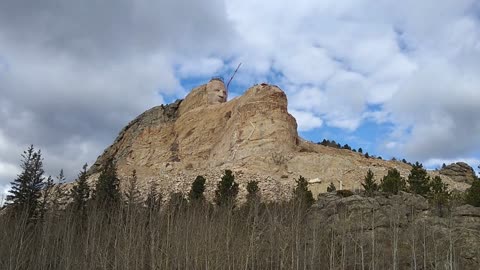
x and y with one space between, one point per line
331 187
132 194
369 184
360 150
80 192
302 195
253 192
107 191
154 198
227 190
392 182
27 187
437 186
197 190
59 194
176 202
418 180
47 192
472 195
367 155
439 194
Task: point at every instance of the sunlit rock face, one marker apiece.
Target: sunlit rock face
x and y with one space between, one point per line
216 92
252 134
212 93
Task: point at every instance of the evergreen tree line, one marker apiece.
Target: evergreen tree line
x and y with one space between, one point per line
33 194
419 182
105 228
334 144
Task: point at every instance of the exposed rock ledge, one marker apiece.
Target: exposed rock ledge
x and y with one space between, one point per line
252 135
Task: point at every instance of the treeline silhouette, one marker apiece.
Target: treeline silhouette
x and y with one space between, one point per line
47 227
334 144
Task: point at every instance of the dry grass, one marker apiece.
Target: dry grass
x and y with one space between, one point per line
275 236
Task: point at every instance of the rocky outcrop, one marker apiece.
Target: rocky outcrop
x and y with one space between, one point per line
460 172
407 223
253 135
159 116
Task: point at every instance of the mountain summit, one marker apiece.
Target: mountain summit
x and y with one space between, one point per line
253 135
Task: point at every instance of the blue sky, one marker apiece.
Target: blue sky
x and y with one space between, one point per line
397 78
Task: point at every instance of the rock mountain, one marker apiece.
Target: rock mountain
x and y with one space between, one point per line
253 135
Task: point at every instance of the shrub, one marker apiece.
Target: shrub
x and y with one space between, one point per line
344 193
331 187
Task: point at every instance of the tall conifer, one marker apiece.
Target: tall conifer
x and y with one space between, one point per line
107 191
27 188
80 192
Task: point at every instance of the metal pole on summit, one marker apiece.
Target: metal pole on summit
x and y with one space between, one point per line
229 81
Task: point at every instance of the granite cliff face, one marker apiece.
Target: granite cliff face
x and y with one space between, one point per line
253 135
403 221
459 172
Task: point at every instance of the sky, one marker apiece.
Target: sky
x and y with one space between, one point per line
397 78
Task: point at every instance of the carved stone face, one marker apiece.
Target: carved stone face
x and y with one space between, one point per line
216 92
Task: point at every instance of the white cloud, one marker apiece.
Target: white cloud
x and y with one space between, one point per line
3 194
69 82
417 61
208 67
439 105
8 171
71 76
306 121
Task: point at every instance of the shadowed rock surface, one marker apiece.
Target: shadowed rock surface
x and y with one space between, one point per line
407 222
